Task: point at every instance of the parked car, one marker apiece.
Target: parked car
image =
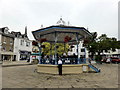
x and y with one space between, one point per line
106 60
111 59
115 60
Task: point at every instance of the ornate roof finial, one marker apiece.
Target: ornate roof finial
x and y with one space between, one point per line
41 25
61 22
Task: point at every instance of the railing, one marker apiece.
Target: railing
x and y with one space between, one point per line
64 61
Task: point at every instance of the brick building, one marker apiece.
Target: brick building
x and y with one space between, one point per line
6 45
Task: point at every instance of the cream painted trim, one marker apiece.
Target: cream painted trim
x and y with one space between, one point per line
7 53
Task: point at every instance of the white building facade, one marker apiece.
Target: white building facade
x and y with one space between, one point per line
22 46
22 49
82 51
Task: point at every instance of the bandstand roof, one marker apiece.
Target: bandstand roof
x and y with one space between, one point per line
61 31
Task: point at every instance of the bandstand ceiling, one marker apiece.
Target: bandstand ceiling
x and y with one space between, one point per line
49 33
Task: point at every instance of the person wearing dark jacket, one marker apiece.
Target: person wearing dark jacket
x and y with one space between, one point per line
60 66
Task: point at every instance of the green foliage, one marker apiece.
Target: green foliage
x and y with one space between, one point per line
102 44
98 57
50 48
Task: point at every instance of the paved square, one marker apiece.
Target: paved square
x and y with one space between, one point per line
27 77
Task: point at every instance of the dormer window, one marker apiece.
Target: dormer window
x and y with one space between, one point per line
6 30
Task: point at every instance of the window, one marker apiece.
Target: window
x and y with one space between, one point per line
6 30
11 41
4 40
83 50
22 42
11 49
27 44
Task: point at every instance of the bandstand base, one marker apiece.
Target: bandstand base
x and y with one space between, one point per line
66 69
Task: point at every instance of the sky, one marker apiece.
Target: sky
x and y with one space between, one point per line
99 16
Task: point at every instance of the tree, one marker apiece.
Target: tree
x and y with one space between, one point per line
97 46
91 44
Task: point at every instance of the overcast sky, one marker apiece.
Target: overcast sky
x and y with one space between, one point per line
97 15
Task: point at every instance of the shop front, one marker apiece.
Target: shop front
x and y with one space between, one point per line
8 56
25 55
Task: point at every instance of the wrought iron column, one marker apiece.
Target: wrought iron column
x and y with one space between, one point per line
50 58
78 62
40 62
39 46
55 48
85 56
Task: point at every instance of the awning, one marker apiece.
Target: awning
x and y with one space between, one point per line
37 54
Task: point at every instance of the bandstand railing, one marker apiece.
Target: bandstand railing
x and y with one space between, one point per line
64 61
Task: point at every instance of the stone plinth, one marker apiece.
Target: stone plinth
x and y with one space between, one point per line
66 69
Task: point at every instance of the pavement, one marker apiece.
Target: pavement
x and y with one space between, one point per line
14 63
27 77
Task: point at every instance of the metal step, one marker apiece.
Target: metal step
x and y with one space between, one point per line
94 68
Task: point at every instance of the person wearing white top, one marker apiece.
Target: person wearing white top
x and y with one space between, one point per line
59 61
60 66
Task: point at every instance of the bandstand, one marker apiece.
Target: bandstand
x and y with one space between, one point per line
61 34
